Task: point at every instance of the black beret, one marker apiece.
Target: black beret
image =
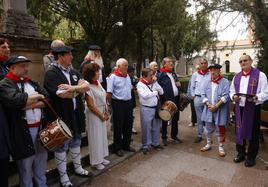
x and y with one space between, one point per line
94 47
15 60
216 66
62 49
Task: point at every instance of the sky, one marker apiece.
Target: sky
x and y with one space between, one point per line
229 26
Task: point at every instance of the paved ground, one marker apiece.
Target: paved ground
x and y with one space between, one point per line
184 165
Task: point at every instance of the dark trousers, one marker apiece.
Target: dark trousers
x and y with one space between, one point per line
253 146
122 123
193 113
4 172
174 123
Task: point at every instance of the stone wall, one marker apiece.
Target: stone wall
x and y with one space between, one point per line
18 23
32 48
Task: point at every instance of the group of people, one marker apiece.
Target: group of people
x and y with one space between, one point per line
211 95
85 100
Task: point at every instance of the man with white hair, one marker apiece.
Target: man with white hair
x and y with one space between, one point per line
119 95
196 87
154 67
49 58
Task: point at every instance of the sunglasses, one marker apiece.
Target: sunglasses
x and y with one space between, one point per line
240 61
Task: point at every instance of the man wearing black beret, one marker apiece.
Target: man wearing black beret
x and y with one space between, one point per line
21 97
66 88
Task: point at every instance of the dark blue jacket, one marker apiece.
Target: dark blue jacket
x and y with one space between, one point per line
165 82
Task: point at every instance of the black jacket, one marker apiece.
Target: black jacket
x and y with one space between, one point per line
64 107
165 82
14 101
5 145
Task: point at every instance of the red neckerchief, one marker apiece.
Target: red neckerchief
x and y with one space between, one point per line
164 70
217 80
246 74
144 81
119 74
17 79
95 82
202 72
3 58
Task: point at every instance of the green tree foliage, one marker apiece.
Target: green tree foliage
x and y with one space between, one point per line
135 29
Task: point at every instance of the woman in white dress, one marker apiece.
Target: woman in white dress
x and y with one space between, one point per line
96 117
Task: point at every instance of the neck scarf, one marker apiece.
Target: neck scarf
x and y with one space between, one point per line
17 79
217 80
119 74
164 70
203 72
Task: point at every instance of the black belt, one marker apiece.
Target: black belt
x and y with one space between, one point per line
122 101
149 106
198 95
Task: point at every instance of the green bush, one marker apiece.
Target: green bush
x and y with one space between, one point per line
184 84
229 76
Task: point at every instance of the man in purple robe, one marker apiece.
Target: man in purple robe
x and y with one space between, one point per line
249 89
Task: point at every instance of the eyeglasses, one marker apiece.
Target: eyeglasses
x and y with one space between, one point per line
245 60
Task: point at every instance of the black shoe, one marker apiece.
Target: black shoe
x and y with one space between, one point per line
239 158
129 149
158 147
145 151
250 162
198 140
119 153
177 140
164 142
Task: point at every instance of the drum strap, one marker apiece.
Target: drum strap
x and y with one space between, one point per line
50 107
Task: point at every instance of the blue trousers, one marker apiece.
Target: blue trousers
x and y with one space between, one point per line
74 142
199 106
150 127
34 166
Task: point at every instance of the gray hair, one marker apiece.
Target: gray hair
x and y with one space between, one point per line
121 61
152 64
165 60
57 43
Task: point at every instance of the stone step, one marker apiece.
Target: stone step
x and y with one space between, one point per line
52 174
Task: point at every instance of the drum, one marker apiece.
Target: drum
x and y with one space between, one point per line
55 135
184 101
167 111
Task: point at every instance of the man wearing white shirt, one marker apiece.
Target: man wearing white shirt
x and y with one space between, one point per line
249 89
198 78
215 96
149 92
119 95
21 98
66 89
169 81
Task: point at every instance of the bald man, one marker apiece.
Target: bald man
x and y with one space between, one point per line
249 89
49 58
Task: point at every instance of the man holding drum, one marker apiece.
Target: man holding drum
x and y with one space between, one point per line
66 89
249 89
21 100
197 80
149 92
168 80
215 96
